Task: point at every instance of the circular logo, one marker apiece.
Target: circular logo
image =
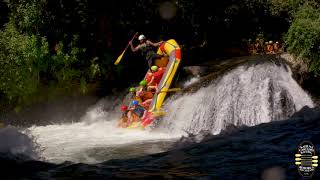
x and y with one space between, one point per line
306 159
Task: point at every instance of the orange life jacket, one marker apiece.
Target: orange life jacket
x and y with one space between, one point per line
145 95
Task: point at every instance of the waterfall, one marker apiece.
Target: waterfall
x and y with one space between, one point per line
247 95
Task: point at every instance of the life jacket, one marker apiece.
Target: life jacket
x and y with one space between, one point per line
145 95
270 48
148 77
137 98
123 122
276 47
124 114
135 117
139 110
146 105
158 76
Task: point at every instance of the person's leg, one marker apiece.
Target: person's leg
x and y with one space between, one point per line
146 104
150 62
152 58
130 120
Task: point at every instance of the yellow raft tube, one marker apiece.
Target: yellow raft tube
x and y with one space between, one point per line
172 49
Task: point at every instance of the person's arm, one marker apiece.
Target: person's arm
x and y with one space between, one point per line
144 114
139 92
151 81
134 49
154 44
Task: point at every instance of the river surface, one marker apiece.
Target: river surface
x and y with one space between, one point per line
249 95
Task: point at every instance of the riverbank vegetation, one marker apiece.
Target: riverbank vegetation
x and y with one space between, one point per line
50 48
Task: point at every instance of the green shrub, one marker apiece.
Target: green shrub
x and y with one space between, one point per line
303 37
22 57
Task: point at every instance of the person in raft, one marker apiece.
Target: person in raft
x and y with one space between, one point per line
134 96
157 74
145 95
136 112
147 49
124 119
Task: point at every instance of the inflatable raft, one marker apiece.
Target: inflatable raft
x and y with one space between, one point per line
171 62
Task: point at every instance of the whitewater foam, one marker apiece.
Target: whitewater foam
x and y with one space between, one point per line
248 95
94 139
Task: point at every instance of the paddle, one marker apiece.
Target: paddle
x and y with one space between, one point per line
120 57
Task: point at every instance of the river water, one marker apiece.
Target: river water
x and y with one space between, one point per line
245 96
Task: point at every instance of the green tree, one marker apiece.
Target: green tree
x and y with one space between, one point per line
303 38
22 57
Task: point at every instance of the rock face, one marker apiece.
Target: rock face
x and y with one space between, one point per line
308 80
196 70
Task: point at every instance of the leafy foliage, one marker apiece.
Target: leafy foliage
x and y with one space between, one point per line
60 44
303 37
22 58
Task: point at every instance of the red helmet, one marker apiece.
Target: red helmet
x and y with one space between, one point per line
124 108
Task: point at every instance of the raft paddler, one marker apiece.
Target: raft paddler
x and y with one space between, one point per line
157 74
147 49
124 119
145 95
134 96
136 112
143 92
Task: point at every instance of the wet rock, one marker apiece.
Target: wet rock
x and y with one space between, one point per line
196 70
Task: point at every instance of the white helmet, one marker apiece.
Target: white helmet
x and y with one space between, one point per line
141 37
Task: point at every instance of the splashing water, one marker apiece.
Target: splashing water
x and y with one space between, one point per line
247 95
191 81
97 138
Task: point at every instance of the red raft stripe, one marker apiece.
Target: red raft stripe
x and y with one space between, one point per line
178 54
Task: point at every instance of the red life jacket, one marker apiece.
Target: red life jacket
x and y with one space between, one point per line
148 77
158 75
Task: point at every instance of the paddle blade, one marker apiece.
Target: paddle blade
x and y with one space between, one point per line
119 58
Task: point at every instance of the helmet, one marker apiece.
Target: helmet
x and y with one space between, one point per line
143 83
132 89
135 102
154 68
141 37
270 42
124 108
